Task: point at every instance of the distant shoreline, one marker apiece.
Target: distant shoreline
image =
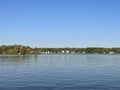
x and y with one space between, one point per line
57 54
23 50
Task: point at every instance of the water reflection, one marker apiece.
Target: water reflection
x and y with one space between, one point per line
13 58
89 59
63 71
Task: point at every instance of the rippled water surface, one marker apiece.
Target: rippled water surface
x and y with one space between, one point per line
60 72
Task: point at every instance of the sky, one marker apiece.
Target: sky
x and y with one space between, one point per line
60 23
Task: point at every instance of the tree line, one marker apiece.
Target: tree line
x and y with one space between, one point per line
20 49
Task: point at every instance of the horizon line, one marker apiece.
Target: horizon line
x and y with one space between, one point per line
58 47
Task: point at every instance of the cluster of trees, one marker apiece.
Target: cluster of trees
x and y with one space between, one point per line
81 50
19 49
103 50
62 50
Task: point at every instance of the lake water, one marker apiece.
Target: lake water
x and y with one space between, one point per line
60 72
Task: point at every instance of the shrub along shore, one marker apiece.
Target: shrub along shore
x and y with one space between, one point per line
20 49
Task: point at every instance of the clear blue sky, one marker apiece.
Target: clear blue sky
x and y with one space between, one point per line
60 23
